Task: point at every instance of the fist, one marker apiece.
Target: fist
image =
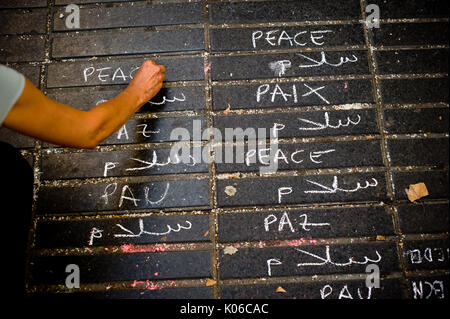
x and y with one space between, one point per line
147 81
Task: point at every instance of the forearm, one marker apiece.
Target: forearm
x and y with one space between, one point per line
36 115
108 117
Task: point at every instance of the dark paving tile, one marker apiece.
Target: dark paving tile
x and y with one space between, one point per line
138 267
424 90
401 34
112 232
119 71
23 4
292 94
432 287
120 163
435 181
412 61
22 49
291 65
158 130
299 156
60 2
15 139
120 196
352 289
30 71
426 254
275 11
168 99
412 9
300 124
286 38
302 189
137 15
295 224
17 22
308 260
430 151
433 120
152 292
127 43
425 218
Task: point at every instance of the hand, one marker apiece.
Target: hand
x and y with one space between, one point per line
146 82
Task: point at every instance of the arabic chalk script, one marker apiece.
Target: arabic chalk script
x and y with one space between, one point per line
335 187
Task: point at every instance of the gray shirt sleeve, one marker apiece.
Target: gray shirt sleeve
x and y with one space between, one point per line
11 87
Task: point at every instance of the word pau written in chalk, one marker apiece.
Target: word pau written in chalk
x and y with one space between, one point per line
345 292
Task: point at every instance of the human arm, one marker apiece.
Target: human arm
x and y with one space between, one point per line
37 115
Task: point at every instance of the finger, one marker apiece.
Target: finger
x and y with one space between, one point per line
162 68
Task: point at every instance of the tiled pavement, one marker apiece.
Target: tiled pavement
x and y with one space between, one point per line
361 113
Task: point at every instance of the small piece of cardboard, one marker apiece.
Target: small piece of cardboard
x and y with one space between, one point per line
416 191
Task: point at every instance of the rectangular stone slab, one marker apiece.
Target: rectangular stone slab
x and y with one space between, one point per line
266 95
300 124
405 34
119 71
412 9
418 120
138 42
307 260
412 61
422 90
22 49
301 189
138 267
430 151
263 38
147 291
423 219
299 156
426 254
122 231
120 196
16 22
435 181
158 130
120 163
285 11
304 224
137 15
428 287
261 66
